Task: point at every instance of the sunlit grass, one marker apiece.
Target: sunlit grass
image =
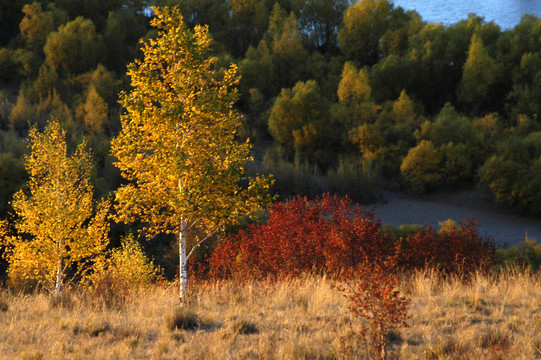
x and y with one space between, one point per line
497 316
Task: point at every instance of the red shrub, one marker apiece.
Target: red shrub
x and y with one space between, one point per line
331 234
459 249
374 298
300 236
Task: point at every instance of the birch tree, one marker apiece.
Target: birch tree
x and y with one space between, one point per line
177 148
59 224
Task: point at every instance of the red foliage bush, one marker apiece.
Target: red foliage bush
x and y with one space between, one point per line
456 250
374 297
330 234
300 236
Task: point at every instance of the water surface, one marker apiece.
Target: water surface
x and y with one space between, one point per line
505 13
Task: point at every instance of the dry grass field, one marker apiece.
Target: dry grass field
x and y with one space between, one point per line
492 317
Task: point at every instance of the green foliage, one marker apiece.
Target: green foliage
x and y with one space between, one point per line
319 21
389 77
288 52
298 121
526 255
363 26
356 179
74 48
123 29
402 231
381 72
512 175
480 73
388 140
12 175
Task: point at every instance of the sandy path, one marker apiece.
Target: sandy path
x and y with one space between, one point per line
504 227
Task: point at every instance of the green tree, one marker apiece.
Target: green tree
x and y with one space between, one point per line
248 22
12 175
389 138
389 77
37 24
74 48
288 52
58 212
257 70
433 73
363 26
121 36
11 15
319 21
512 174
459 141
177 147
525 96
299 120
480 73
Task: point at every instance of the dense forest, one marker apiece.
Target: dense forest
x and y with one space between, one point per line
338 96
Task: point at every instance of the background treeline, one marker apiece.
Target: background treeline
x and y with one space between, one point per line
338 96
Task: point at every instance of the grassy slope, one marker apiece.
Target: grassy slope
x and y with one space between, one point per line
493 317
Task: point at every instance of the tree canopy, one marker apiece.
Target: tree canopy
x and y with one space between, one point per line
64 224
178 148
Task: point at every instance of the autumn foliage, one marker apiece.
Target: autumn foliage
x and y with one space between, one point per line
454 250
300 236
374 298
331 234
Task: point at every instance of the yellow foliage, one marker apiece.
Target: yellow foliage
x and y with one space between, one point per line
177 146
57 213
127 265
422 165
354 87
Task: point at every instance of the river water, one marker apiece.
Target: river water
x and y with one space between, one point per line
505 13
504 226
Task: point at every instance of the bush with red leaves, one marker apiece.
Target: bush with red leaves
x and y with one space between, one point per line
300 236
455 250
375 299
331 234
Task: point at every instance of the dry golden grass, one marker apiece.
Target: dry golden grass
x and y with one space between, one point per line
492 317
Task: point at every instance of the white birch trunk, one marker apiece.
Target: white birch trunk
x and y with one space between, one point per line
183 262
59 271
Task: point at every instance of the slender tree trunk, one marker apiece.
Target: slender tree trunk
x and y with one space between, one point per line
183 262
59 271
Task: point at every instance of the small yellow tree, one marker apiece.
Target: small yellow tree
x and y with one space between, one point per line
59 224
178 147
